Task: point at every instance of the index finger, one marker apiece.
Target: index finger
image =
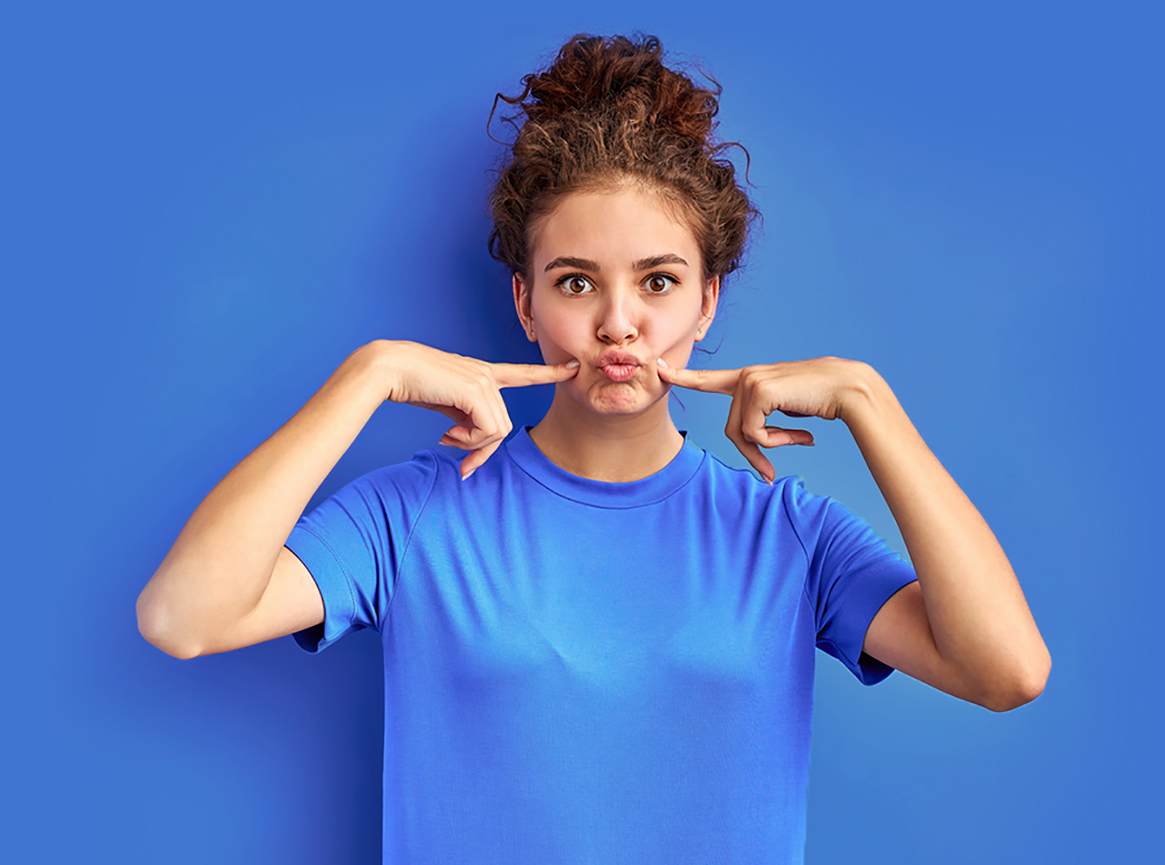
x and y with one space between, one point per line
711 380
522 374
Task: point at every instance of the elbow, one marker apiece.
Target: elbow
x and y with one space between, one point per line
1025 689
155 628
173 649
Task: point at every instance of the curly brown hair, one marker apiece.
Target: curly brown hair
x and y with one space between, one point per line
606 112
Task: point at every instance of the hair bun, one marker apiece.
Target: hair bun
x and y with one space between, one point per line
594 76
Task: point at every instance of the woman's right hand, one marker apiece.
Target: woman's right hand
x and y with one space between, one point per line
464 389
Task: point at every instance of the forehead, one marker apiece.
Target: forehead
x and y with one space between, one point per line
612 229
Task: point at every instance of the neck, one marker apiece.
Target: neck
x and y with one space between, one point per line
612 448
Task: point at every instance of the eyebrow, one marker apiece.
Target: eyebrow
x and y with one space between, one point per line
642 264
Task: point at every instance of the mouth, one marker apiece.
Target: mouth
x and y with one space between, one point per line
619 371
618 365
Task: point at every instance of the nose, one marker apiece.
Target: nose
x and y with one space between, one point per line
617 318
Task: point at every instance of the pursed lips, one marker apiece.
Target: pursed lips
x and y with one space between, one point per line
618 365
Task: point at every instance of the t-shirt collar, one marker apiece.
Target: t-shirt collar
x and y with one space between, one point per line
605 494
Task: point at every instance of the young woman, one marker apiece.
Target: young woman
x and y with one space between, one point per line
598 639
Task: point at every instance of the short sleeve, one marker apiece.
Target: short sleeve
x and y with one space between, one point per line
852 573
353 545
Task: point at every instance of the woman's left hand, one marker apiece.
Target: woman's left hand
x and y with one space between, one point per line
800 388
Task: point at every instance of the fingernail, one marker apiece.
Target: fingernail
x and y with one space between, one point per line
661 362
572 364
468 476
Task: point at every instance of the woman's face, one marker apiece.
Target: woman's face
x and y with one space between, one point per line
615 283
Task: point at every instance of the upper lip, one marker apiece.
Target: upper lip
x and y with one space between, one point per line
615 356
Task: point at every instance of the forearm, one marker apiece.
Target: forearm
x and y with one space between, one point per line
221 562
977 611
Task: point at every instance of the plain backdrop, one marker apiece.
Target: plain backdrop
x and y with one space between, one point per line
207 206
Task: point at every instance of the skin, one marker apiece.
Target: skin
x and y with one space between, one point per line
592 287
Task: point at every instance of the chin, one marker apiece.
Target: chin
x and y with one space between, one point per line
615 398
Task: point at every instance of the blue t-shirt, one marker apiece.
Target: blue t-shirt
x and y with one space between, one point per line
579 671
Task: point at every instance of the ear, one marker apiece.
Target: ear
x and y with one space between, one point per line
708 308
522 305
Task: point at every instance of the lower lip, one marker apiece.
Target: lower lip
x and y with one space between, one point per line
619 371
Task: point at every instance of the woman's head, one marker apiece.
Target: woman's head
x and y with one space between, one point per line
617 219
607 113
615 282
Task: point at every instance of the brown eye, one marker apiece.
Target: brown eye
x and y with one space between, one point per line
659 283
575 284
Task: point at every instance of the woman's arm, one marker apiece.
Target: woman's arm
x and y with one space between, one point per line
219 567
967 593
965 626
228 581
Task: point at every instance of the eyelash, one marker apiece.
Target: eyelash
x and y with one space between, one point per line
561 283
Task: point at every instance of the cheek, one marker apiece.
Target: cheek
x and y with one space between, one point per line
678 327
559 340
676 338
559 325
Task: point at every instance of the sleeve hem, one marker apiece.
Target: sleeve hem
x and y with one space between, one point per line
862 602
335 590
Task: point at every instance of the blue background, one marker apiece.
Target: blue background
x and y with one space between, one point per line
207 207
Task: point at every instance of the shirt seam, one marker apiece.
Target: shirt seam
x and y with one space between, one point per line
569 498
804 552
400 566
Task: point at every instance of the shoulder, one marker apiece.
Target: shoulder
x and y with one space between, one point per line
740 495
746 483
786 504
412 479
436 473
